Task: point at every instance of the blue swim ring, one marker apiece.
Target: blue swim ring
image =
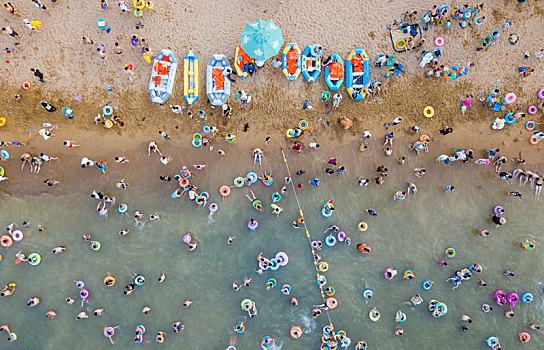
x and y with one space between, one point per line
123 207
527 298
107 110
174 195
508 118
206 129
326 213
492 341
275 265
468 13
478 21
4 154
368 293
276 197
427 285
330 241
251 177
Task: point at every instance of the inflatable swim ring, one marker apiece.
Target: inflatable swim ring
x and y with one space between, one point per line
2 121
206 129
26 85
6 241
428 112
4 154
224 191
323 266
524 337
123 207
439 41
527 298
534 140
295 332
498 210
400 44
540 94
427 285
109 281
17 235
95 245
107 110
368 293
303 124
239 182
34 259
450 252
530 125
140 2
508 118
374 315
532 110
330 240
529 245
282 258
510 98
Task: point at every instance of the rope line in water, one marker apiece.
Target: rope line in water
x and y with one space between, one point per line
307 235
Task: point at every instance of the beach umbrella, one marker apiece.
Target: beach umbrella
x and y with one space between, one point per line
262 39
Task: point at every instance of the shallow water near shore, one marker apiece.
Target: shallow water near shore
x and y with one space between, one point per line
410 234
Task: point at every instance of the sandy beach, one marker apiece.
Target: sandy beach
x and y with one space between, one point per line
76 77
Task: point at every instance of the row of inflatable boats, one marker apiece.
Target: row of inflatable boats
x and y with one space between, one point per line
163 74
355 72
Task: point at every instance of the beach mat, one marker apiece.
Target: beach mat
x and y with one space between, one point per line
403 32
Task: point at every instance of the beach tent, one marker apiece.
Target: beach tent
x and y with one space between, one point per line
262 39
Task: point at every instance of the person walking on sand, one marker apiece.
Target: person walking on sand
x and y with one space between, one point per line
10 32
87 41
130 74
38 74
11 9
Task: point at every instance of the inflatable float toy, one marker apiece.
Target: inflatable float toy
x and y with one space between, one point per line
493 342
330 240
123 207
368 293
427 285
190 77
527 298
498 210
500 297
374 315
271 283
95 245
242 61
512 299
327 210
4 155
529 245
334 72
524 337
540 94
282 258
290 61
362 226
530 125
217 84
251 178
357 73
450 252
428 112
323 266
163 73
26 85
363 248
439 41
34 259
224 191
17 235
295 332
532 110
508 118
109 281
510 98
252 225
311 62
6 241
239 182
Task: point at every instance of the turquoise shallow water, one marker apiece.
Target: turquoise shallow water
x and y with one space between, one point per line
411 234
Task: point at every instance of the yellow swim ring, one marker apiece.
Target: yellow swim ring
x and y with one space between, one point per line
3 121
323 266
363 226
138 7
150 5
147 58
289 133
428 112
1 171
108 124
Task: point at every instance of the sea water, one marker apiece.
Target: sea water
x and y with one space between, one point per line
409 234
